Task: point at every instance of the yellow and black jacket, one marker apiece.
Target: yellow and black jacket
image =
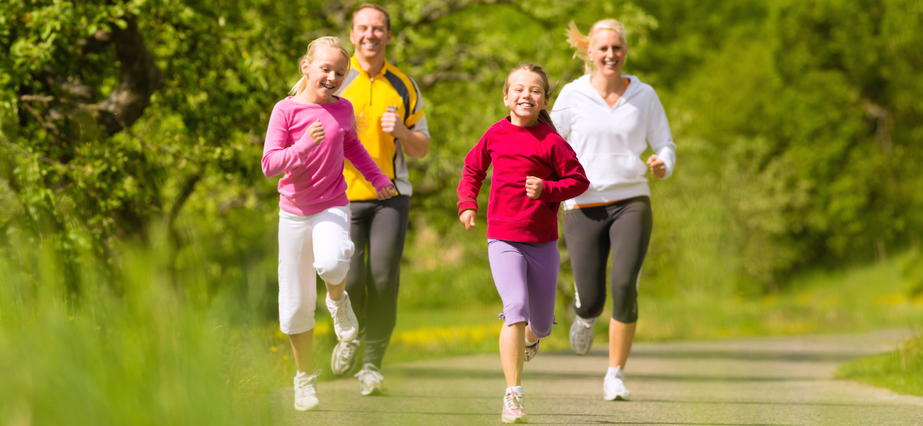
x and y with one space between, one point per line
371 97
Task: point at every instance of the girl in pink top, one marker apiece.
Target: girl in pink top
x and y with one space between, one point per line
534 171
308 137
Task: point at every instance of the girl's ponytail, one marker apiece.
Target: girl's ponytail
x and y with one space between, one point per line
545 117
300 85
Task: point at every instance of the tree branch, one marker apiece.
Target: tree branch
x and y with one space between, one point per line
140 79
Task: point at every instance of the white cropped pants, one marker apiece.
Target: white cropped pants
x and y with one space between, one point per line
309 246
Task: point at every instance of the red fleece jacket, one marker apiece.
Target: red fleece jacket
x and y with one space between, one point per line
516 153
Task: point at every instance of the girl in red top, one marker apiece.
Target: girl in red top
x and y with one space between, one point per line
534 170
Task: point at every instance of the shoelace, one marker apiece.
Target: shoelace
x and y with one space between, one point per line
340 313
513 402
347 352
366 375
306 386
583 337
612 383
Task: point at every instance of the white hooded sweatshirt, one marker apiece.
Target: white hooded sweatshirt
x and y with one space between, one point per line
609 141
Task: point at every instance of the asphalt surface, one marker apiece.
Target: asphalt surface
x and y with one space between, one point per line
764 381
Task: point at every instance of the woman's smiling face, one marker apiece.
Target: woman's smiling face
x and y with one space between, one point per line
607 51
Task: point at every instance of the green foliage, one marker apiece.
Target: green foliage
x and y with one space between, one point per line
801 115
795 123
900 370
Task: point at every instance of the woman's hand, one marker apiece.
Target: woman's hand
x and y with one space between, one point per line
467 218
316 131
658 169
534 187
387 192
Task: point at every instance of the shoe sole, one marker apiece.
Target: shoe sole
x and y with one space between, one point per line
352 335
579 352
373 392
618 398
308 408
512 419
351 368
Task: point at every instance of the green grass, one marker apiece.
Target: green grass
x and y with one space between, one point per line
156 342
900 370
134 348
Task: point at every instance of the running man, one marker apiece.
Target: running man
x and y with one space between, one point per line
392 126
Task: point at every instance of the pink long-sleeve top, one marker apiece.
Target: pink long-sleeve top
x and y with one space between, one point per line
313 180
517 153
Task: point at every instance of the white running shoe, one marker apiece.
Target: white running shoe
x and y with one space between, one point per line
371 382
581 335
305 393
344 357
345 324
614 388
513 408
532 351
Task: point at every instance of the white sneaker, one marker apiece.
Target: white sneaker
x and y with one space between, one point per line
581 335
531 351
344 357
371 382
513 409
614 388
345 324
305 394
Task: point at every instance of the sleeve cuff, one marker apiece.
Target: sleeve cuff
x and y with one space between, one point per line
467 205
546 191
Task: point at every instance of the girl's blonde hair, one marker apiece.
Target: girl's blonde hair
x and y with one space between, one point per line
581 43
543 115
309 56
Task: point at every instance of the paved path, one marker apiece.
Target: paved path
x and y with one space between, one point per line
769 381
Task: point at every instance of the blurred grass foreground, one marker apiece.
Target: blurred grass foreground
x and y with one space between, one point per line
149 343
137 346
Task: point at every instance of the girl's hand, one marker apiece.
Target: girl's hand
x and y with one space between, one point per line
658 169
534 187
387 192
467 217
316 131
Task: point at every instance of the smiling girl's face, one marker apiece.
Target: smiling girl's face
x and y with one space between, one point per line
325 72
525 97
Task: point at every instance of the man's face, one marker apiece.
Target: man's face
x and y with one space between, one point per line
370 33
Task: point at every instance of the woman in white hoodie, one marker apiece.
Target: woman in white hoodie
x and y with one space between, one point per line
610 119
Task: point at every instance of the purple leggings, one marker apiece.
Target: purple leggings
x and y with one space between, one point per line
526 276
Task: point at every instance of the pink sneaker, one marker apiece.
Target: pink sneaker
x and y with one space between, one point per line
532 351
513 409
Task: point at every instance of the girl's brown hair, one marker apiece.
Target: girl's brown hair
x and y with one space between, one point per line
543 115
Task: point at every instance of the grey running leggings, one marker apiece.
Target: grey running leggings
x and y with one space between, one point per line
590 233
378 230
